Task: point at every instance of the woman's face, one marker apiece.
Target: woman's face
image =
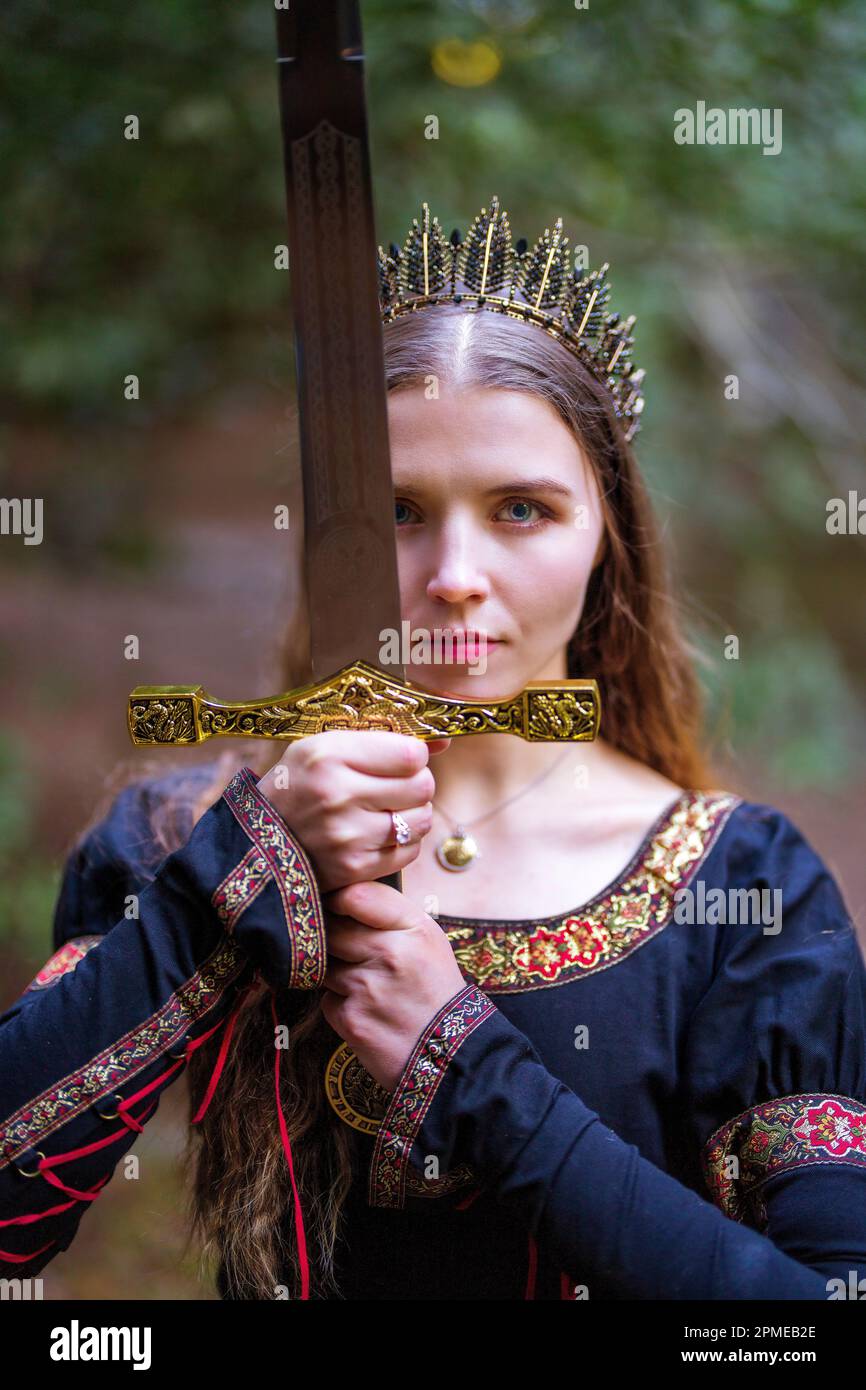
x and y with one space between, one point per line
499 526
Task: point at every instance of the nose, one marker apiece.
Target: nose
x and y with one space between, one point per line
457 573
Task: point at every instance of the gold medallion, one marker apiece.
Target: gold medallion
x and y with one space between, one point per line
356 1096
457 852
361 1102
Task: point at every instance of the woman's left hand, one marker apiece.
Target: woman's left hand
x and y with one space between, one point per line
390 970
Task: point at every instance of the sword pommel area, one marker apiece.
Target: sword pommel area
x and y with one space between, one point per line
360 696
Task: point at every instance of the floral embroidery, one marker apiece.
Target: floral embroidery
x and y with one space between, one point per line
63 960
505 959
240 887
125 1058
275 857
545 953
774 1137
833 1128
415 1091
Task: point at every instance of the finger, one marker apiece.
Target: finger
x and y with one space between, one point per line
437 745
332 1005
393 793
354 943
383 832
372 905
380 752
336 980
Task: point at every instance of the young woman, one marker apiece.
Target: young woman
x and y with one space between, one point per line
604 1058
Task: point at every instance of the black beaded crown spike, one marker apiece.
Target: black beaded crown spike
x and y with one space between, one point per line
540 286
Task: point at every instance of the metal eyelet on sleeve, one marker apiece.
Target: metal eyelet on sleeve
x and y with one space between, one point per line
178 1051
29 1156
107 1108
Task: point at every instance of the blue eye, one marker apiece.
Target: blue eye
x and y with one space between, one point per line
518 502
524 523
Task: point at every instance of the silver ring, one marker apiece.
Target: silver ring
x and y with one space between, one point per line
401 829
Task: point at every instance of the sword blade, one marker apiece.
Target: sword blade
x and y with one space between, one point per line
350 555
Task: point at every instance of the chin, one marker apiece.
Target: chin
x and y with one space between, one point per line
459 684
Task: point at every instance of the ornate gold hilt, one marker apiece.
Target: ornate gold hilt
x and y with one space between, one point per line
360 696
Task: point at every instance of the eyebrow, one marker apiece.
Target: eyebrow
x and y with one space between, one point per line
520 485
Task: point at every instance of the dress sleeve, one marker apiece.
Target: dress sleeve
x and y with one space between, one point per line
475 1091
114 1015
776 1051
119 856
775 1077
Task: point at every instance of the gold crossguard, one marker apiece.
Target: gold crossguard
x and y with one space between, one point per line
362 697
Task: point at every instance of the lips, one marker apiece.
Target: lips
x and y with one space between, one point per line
470 643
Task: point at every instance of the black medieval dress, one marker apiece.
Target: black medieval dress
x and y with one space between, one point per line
659 1094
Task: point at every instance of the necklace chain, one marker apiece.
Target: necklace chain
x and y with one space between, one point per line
465 825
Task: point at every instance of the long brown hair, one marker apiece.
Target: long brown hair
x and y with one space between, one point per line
629 638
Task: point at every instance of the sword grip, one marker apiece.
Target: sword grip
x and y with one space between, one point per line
394 880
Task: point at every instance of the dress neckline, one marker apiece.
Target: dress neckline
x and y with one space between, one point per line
511 923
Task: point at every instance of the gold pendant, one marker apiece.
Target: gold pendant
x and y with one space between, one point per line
457 852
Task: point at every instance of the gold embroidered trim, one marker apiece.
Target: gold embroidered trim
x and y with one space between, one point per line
276 857
63 961
774 1137
638 905
240 887
451 1026
123 1059
362 1103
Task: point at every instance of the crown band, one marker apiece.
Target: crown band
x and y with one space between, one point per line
485 271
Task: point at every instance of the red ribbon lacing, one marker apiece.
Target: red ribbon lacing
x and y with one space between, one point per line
565 1282
287 1149
532 1268
284 1132
46 1166
44 1169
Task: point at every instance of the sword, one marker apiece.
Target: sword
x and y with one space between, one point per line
350 552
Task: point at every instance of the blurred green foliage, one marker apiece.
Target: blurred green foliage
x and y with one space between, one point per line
156 256
28 887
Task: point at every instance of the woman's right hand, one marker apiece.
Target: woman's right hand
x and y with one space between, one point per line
335 791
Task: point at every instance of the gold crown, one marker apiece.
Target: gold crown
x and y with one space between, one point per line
539 286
